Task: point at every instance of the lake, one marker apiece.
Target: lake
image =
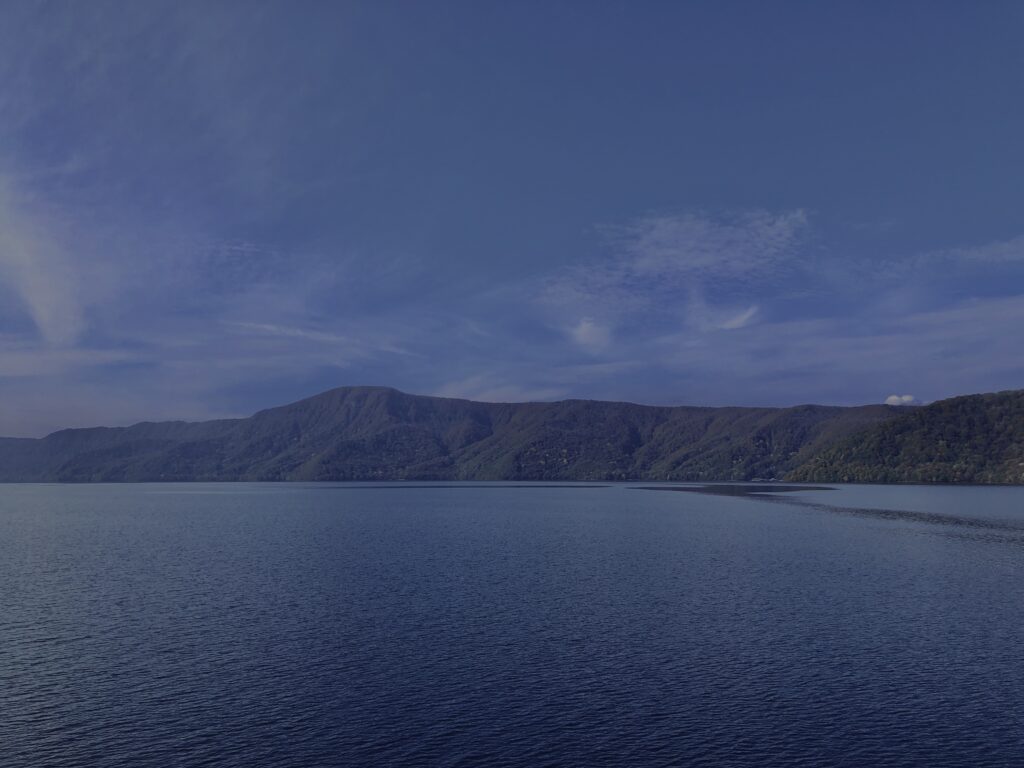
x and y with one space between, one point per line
520 625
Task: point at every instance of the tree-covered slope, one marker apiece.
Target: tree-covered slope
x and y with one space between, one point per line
971 439
373 433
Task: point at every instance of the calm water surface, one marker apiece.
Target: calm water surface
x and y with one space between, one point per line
315 625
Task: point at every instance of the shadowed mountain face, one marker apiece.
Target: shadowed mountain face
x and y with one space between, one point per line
370 433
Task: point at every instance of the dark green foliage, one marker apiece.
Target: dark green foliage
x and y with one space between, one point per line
971 439
376 434
370 433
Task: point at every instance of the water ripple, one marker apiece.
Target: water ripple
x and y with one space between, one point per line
476 627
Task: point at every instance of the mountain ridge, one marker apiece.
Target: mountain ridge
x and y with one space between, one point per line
380 433
368 433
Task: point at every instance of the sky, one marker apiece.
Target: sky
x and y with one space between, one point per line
209 208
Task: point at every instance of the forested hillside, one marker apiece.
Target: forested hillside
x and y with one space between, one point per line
369 433
971 439
372 433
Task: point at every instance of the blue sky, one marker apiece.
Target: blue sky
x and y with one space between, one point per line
208 208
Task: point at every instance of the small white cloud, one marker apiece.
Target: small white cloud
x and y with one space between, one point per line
590 335
900 400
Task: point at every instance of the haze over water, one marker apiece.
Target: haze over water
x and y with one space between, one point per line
306 625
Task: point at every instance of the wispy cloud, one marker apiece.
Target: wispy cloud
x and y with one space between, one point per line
690 275
165 265
1002 251
36 271
24 359
740 320
702 317
833 360
741 246
669 265
361 342
672 330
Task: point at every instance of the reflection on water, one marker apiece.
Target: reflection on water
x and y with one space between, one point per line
767 493
736 489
